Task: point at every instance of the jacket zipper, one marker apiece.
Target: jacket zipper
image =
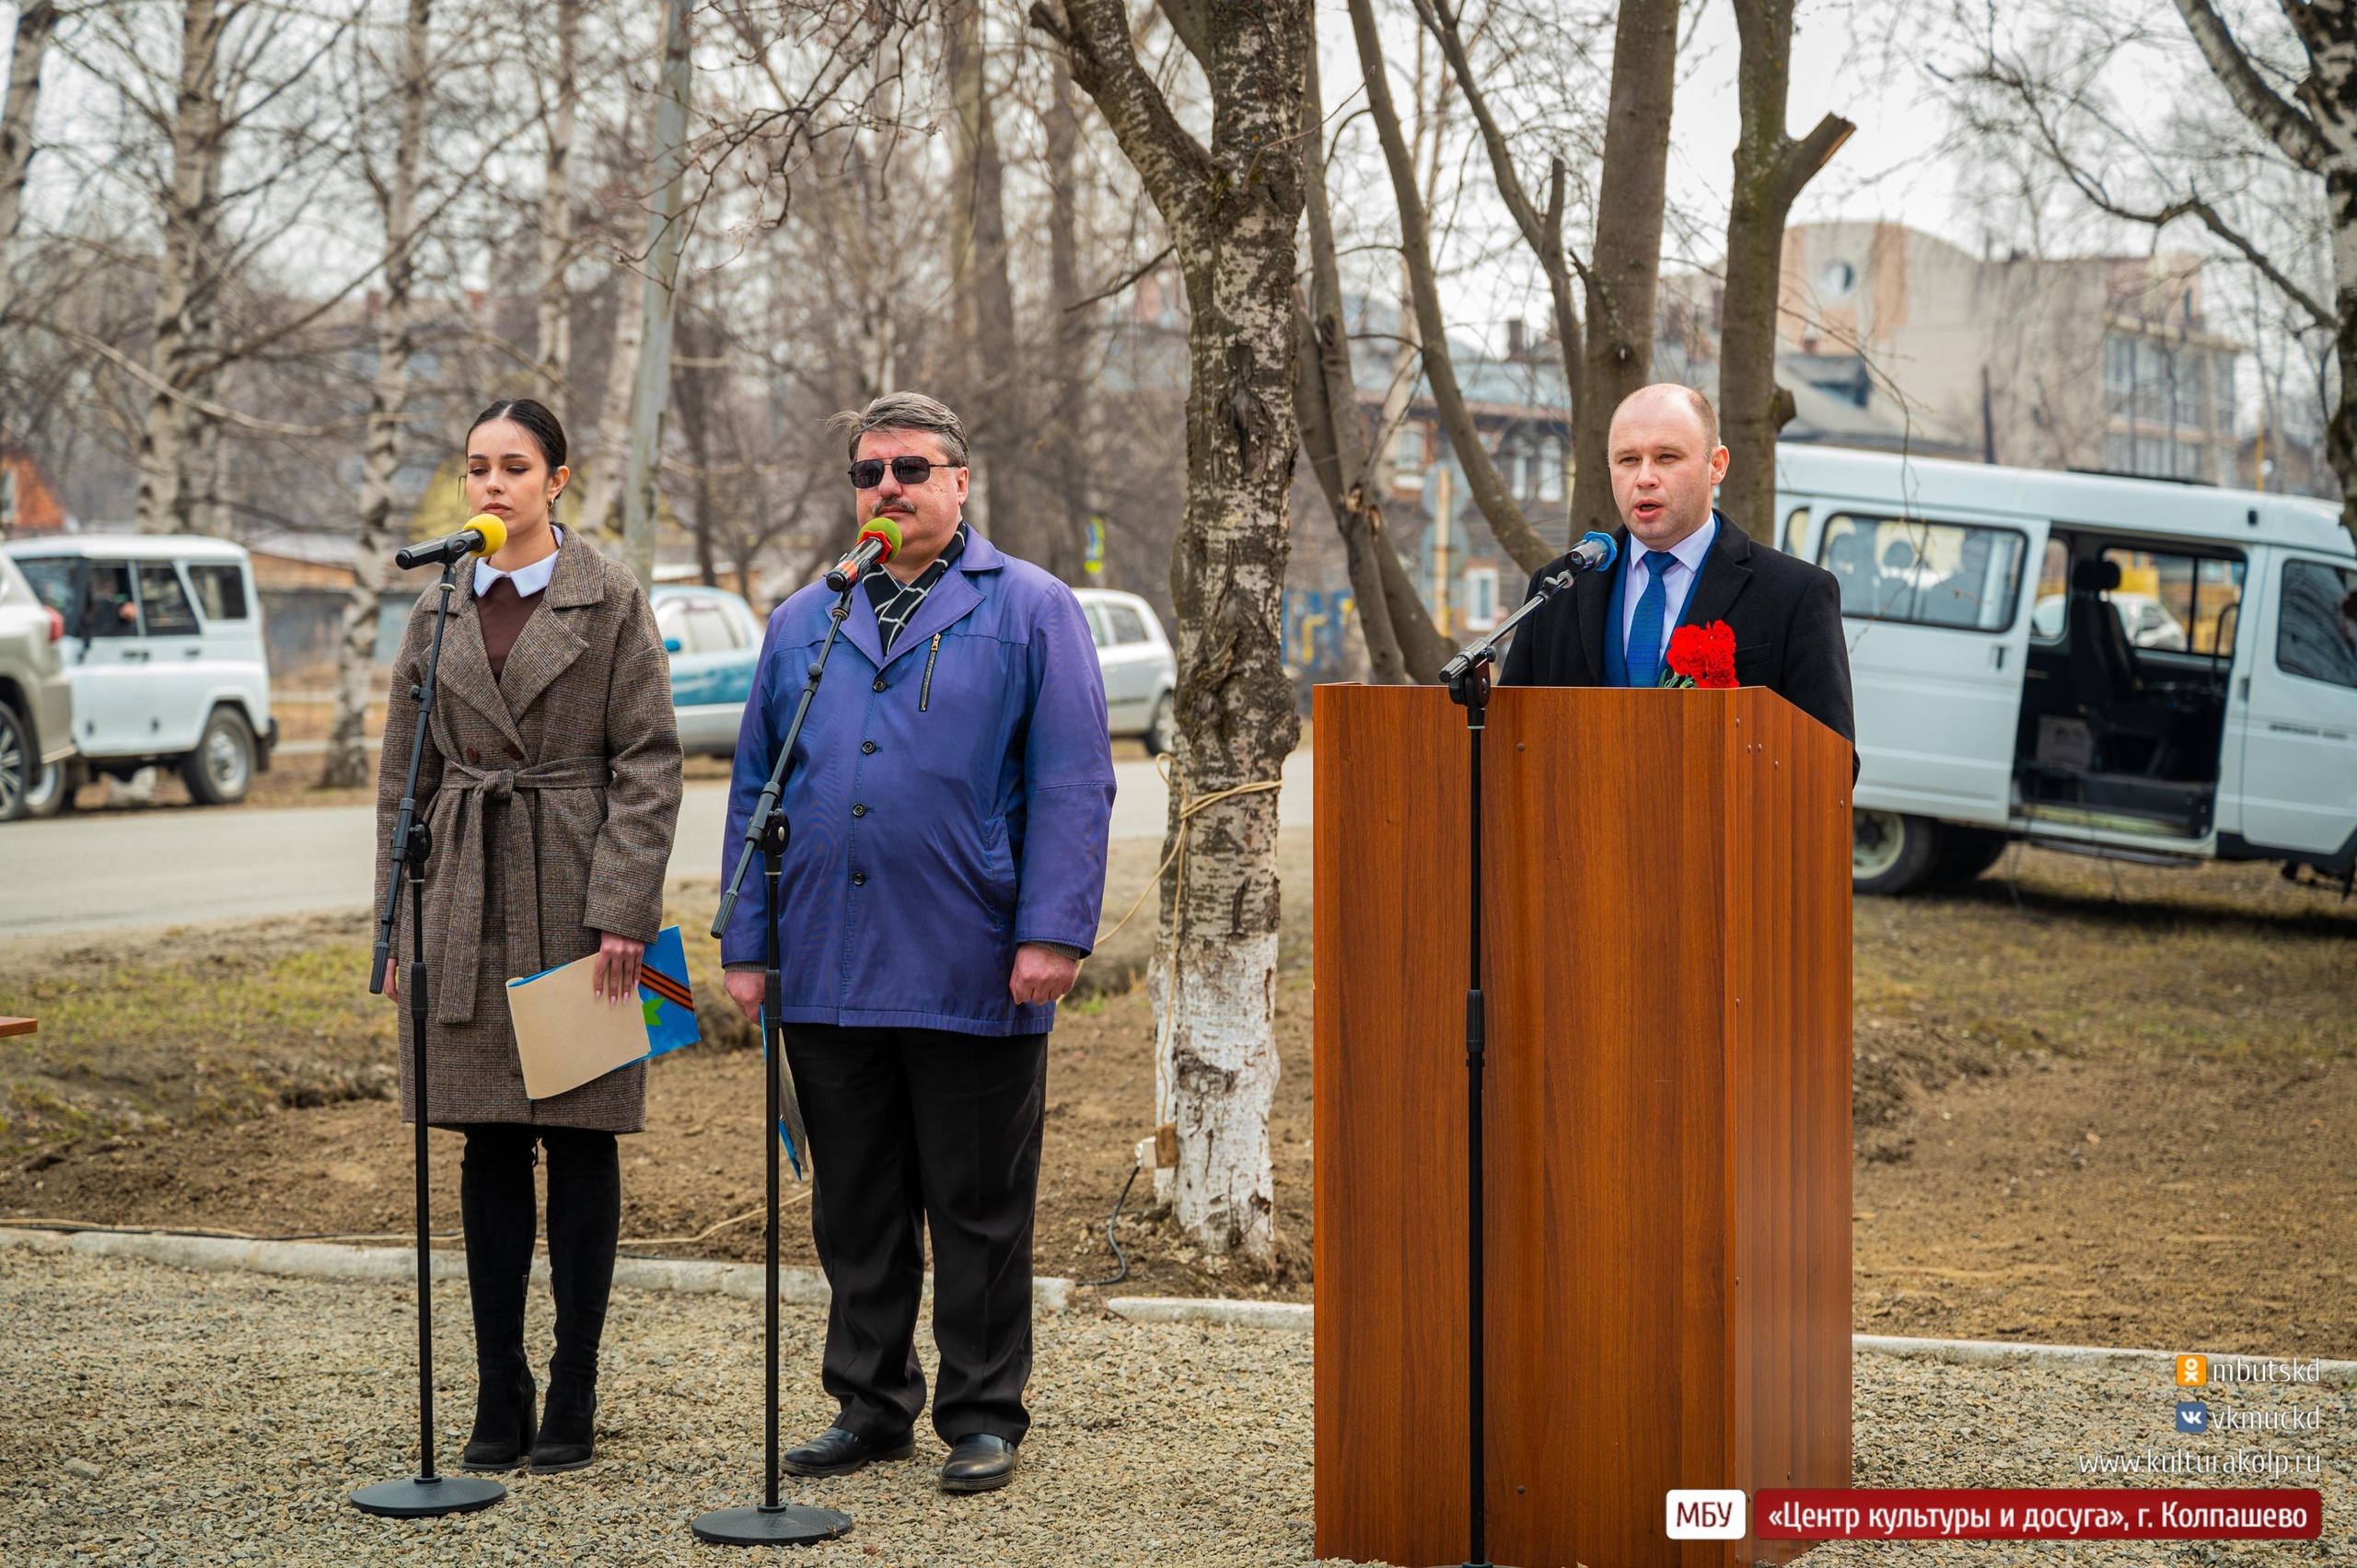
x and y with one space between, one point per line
925 692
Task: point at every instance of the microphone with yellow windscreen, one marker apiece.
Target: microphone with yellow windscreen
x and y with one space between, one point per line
484 535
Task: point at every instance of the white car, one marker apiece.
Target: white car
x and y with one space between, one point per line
715 642
163 650
1141 671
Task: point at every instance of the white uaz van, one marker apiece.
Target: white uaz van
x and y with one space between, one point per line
164 651
2116 667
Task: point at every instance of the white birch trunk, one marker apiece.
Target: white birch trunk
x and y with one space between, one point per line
1232 210
653 391
601 514
36 23
553 350
347 753
183 295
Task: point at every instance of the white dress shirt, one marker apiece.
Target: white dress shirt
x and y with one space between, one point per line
529 580
1677 580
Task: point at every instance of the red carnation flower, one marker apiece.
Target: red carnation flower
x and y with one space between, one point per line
1700 656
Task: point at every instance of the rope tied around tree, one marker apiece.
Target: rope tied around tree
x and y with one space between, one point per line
1167 768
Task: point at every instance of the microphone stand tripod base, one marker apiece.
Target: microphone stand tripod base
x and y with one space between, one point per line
761 1526
428 1496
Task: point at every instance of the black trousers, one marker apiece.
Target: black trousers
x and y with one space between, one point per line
917 1130
499 1209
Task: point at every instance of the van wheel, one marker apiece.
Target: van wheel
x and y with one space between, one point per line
221 770
1162 735
1890 852
1966 852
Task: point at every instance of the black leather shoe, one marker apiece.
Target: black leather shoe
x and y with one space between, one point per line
979 1463
568 1439
505 1426
837 1452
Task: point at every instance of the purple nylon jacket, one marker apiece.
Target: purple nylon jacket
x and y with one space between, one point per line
947 804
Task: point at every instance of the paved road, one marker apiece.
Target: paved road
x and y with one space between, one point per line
167 867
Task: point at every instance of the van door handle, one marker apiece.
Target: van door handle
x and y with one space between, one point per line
1997 657
191 653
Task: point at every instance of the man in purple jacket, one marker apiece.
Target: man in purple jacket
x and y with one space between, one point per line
949 798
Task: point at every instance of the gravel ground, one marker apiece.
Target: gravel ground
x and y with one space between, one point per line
149 1415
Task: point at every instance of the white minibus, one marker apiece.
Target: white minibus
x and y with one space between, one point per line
2126 668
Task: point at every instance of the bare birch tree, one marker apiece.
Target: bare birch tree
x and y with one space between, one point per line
1771 169
36 25
1402 644
1231 208
2277 190
553 346
346 764
1607 354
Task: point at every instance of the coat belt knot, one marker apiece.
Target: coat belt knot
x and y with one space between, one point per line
471 787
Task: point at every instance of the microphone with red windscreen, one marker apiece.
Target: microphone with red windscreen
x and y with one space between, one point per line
878 542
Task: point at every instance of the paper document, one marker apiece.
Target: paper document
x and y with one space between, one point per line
565 1035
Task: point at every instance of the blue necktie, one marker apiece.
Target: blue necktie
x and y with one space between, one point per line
1645 637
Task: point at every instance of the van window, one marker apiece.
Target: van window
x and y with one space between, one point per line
220 592
1924 574
164 601
2048 611
1098 632
2316 634
109 607
1795 530
2178 604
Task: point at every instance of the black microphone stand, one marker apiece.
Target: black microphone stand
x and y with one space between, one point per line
771 1523
427 1494
1468 676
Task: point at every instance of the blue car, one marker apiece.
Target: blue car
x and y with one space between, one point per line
715 640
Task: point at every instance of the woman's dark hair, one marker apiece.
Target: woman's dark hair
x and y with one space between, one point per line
536 420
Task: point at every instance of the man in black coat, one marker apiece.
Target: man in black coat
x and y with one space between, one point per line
1683 565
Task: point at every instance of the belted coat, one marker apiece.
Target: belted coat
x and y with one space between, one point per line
552 793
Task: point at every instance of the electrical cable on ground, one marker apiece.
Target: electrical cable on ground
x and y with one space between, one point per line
1110 1221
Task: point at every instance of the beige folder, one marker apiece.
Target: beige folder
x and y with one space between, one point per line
566 1035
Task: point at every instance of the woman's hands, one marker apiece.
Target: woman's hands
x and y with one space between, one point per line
614 977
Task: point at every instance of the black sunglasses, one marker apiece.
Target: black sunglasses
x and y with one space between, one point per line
868 473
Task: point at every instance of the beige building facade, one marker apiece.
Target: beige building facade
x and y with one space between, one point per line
1893 339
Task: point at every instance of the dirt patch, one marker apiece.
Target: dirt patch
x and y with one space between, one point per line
2197 1022
2193 1205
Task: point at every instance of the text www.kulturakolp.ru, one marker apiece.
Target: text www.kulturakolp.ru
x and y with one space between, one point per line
2165 1461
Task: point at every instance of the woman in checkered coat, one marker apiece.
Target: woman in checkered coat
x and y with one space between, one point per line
550 782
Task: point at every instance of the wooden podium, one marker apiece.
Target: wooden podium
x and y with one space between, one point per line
1668 1118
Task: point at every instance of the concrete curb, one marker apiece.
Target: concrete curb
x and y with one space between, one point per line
327 1260
2000 1351
1297 1318
1287 1315
808 1287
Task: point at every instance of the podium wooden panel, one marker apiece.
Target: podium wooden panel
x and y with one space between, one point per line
1667 1127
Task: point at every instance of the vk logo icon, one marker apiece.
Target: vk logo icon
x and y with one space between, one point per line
2192 1416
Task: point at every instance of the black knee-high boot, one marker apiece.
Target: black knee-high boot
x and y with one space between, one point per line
585 1223
496 1204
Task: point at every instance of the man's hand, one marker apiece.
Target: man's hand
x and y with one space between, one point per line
613 978
1042 974
745 988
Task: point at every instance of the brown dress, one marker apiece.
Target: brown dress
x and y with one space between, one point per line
551 790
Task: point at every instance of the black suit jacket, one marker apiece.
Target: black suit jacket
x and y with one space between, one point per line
1786 616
